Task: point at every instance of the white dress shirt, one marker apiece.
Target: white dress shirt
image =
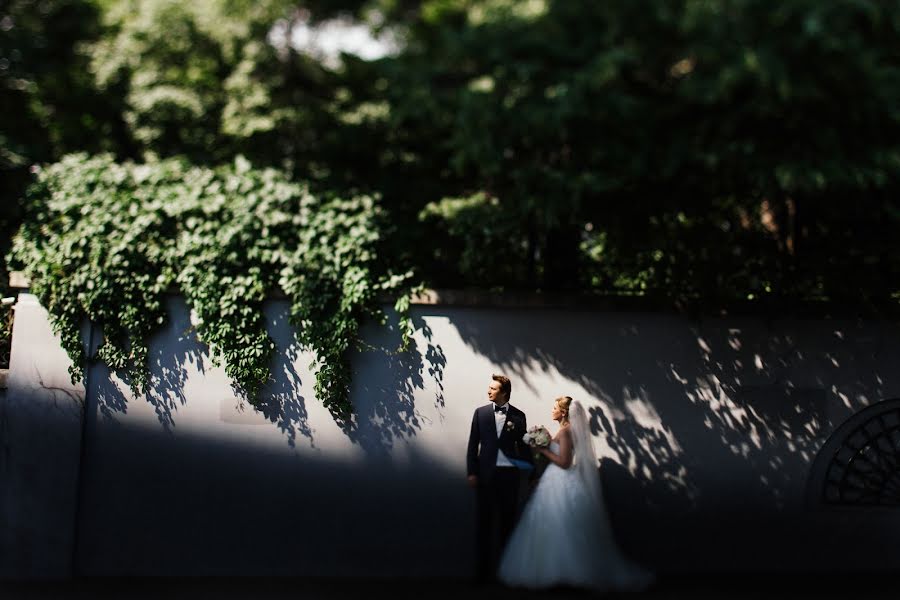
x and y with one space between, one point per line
500 420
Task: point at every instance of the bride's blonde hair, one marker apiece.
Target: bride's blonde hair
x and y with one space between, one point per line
563 403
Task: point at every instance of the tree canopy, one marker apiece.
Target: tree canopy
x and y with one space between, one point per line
711 150
727 148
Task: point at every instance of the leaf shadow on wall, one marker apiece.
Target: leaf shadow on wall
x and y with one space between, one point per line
176 355
172 352
385 381
385 385
281 401
706 421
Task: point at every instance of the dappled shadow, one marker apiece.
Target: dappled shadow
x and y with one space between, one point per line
385 385
714 419
604 360
110 399
771 392
384 394
177 355
172 351
437 361
169 362
282 402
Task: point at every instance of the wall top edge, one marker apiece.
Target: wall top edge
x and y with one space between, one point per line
692 307
18 280
477 298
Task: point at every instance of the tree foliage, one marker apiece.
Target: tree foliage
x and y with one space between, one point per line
710 150
110 240
48 99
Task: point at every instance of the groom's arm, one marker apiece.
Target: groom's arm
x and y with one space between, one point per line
472 451
523 449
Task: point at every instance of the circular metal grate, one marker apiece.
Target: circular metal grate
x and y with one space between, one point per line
859 465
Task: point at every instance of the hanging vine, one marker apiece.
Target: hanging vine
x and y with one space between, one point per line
106 242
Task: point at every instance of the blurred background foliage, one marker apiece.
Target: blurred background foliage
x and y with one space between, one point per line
709 150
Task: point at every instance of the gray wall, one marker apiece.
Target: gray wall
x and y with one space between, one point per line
708 428
40 426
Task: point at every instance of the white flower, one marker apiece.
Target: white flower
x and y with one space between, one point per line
537 436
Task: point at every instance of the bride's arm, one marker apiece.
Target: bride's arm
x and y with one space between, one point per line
564 458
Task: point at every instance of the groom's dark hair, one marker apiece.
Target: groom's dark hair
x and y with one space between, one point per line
505 385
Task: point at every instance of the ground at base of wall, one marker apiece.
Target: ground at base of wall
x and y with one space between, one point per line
743 586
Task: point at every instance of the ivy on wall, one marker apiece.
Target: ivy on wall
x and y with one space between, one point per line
106 241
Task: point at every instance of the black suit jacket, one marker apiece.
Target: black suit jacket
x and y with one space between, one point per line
481 457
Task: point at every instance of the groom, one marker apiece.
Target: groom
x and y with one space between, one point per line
495 448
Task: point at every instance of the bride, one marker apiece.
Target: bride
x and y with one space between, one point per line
564 537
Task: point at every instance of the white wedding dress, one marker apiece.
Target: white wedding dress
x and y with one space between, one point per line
564 537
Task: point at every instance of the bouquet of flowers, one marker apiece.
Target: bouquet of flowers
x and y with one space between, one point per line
537 436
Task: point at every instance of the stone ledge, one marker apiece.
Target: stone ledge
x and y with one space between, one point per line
18 280
692 307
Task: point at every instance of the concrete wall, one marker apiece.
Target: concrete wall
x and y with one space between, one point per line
708 428
41 427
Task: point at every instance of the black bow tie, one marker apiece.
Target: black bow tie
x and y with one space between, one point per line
500 409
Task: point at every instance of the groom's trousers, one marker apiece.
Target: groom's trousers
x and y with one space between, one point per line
497 511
